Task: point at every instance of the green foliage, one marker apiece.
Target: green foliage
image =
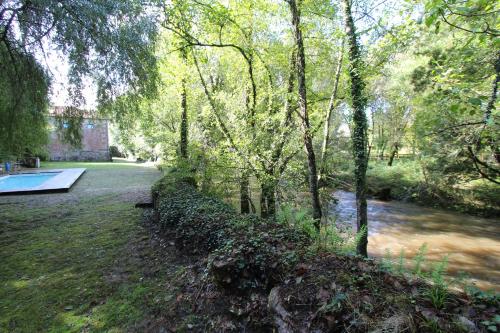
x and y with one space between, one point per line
330 238
23 104
481 296
419 180
432 325
335 304
389 264
438 293
476 17
298 218
491 325
69 127
245 252
108 42
114 151
419 259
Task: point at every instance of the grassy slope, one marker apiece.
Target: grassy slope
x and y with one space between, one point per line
72 261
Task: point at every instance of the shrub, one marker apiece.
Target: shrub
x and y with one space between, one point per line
115 152
257 257
245 251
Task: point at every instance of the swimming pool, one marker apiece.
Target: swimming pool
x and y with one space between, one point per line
24 181
47 181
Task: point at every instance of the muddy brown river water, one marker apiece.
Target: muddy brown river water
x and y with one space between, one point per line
472 244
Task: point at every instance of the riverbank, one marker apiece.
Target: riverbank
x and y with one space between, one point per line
260 275
405 181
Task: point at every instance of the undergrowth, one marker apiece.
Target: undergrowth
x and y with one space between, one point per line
330 238
295 264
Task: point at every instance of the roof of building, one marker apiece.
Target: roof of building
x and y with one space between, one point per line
71 111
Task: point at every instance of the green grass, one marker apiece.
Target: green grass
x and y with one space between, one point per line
69 262
117 164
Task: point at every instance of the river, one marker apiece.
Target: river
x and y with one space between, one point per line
472 244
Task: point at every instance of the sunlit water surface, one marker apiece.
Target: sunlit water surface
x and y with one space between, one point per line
472 244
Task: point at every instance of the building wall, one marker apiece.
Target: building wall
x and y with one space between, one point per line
95 145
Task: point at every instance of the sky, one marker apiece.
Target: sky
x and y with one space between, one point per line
57 65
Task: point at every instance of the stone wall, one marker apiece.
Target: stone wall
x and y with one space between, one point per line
95 146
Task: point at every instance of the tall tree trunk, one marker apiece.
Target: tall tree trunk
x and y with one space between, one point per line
184 121
394 151
273 171
183 147
301 76
328 114
245 193
359 132
491 106
268 200
494 90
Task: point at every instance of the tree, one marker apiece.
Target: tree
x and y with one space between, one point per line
304 115
24 87
472 22
329 111
184 116
110 42
224 36
359 131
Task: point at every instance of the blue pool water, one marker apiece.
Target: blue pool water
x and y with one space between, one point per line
23 181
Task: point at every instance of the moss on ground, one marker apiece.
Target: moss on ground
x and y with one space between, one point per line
73 262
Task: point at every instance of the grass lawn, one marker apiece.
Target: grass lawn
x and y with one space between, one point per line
81 261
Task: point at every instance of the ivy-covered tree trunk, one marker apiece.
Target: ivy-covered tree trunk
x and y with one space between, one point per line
491 107
184 121
359 130
301 78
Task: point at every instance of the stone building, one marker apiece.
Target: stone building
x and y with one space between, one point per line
94 140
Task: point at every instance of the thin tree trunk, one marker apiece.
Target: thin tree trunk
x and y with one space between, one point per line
394 151
491 106
359 132
301 76
328 115
267 200
381 152
494 90
269 191
222 125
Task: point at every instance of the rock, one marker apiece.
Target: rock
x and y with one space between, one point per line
323 295
302 268
223 270
429 314
281 317
467 324
383 194
144 205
